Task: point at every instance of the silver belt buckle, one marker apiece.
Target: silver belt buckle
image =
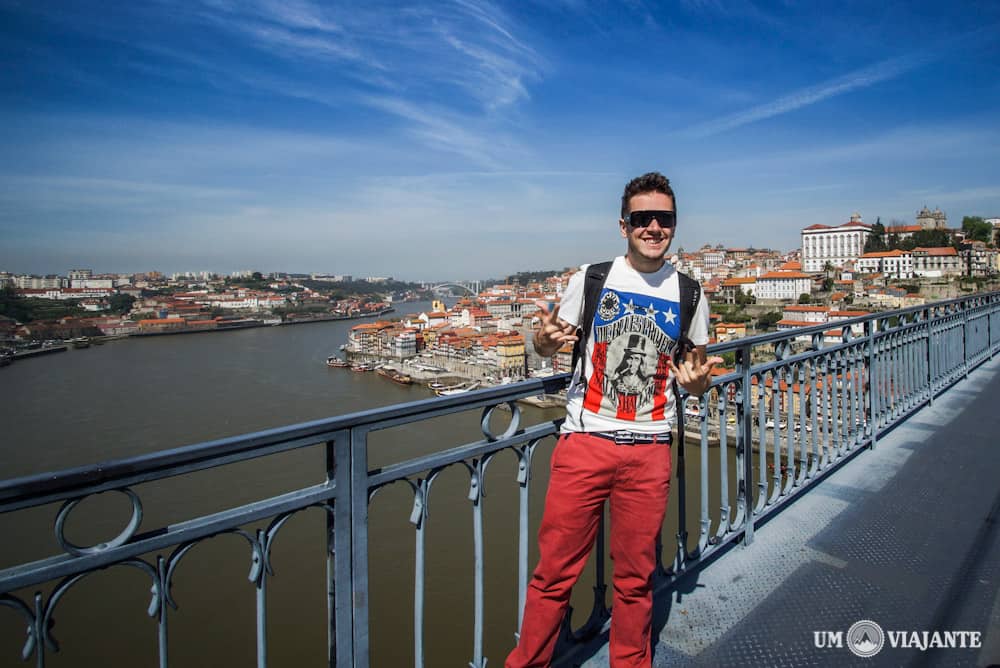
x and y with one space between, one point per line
624 437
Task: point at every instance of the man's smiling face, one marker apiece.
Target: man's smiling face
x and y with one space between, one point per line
647 246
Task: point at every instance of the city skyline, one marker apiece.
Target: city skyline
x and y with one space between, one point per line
474 138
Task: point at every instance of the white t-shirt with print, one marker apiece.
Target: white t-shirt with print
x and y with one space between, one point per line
626 381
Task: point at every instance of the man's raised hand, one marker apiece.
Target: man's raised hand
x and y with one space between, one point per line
554 332
694 375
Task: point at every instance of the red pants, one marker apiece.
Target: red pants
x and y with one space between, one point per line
586 471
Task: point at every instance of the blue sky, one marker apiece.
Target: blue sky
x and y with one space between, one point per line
470 138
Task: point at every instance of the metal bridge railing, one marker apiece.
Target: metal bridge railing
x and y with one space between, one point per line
797 405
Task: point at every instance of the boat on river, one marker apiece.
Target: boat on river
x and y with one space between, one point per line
457 389
363 366
337 362
395 376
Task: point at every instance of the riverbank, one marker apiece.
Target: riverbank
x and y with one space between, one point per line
220 326
37 352
435 373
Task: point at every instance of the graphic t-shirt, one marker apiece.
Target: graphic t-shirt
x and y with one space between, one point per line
626 381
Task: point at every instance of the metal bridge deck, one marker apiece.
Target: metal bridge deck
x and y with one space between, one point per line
906 535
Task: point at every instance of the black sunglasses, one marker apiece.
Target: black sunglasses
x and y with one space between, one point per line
666 219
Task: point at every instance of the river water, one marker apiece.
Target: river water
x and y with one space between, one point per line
142 395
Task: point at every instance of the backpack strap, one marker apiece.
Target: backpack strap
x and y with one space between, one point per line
593 283
689 297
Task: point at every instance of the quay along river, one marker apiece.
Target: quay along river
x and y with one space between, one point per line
141 395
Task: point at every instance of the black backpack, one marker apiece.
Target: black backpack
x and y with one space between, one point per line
597 275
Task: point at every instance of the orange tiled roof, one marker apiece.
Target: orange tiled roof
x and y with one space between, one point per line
849 314
785 274
805 308
892 253
943 251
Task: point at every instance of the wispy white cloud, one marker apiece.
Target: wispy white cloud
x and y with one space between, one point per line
408 62
806 189
435 128
56 184
471 44
290 43
965 142
977 195
862 78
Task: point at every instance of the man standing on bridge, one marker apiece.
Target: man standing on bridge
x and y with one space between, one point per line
621 408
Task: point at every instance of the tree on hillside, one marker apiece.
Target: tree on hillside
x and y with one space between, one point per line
805 298
977 229
767 320
931 239
121 304
876 238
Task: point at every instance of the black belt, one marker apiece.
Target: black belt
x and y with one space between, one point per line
623 437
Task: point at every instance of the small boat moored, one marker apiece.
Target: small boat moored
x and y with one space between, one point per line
394 375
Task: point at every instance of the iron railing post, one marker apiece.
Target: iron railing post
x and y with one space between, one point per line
965 337
746 410
359 544
928 323
870 329
340 617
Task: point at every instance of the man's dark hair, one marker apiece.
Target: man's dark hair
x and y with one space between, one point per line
653 182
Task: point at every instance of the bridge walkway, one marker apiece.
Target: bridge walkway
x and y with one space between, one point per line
906 535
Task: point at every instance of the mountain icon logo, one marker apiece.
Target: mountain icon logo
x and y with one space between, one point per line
865 638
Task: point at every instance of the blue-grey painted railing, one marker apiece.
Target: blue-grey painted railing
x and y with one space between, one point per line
799 399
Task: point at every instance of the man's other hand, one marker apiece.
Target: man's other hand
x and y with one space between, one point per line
694 373
554 332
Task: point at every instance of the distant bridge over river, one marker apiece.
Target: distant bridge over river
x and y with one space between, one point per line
469 287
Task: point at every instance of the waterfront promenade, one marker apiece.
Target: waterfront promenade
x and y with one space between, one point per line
905 535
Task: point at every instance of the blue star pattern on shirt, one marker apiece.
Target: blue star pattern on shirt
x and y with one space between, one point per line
663 312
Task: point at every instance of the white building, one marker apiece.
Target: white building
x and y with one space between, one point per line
40 282
713 258
812 315
404 344
783 286
936 262
836 245
731 286
91 282
893 264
